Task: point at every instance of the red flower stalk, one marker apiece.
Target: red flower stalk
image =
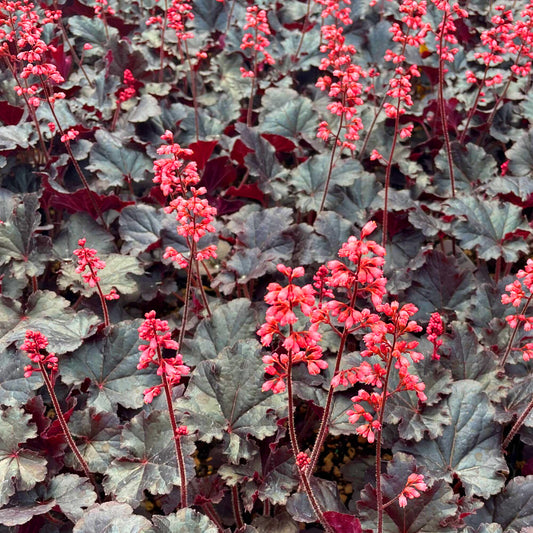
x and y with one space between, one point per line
34 345
177 179
88 265
157 333
508 38
343 83
414 486
434 330
256 20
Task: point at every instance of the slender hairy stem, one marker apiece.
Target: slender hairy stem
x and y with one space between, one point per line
162 49
292 431
186 303
31 110
71 48
332 160
379 491
252 89
474 107
323 429
64 427
517 425
442 109
314 503
235 503
306 20
210 512
229 16
194 93
201 287
388 175
71 155
177 441
503 360
371 128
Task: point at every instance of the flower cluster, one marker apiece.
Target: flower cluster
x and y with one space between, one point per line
446 29
384 343
102 8
296 346
177 178
21 29
256 20
521 289
157 333
345 85
178 14
414 486
89 260
129 90
34 342
412 33
434 330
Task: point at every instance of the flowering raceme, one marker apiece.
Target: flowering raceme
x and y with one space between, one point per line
256 19
35 342
521 289
157 333
177 179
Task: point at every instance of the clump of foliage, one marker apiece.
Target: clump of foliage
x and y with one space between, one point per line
266 266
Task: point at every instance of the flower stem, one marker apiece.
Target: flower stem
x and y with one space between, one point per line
236 507
388 172
511 340
442 109
331 162
177 438
379 490
64 427
518 424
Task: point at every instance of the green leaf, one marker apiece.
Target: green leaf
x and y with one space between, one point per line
82 225
224 399
19 246
469 447
20 469
111 365
262 162
423 514
209 16
466 358
72 494
230 322
355 202
488 227
471 165
150 463
440 284
91 30
111 517
285 112
15 389
309 180
52 316
330 232
184 521
512 509
113 162
147 107
99 441
15 136
520 155
139 227
20 513
118 273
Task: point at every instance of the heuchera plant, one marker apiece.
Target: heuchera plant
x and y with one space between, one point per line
270 265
